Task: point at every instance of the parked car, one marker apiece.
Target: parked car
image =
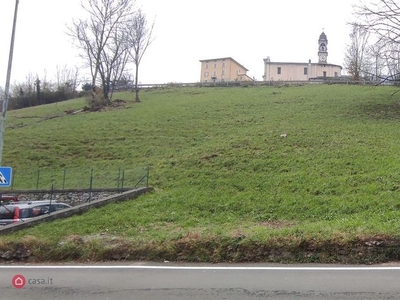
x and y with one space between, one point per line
8 199
24 210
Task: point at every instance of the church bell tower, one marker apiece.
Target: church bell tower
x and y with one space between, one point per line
322 48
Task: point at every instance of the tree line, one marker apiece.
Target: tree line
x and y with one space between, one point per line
373 52
37 90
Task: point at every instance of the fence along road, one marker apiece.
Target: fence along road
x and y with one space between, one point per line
117 178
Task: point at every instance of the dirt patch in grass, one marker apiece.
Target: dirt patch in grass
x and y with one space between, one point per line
383 110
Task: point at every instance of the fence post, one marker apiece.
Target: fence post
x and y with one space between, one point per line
51 196
63 184
122 180
37 180
147 177
91 185
119 177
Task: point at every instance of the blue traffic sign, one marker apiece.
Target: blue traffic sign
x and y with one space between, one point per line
5 176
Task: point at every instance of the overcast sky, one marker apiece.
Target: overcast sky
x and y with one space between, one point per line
185 32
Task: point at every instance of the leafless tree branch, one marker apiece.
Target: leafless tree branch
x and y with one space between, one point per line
139 37
100 37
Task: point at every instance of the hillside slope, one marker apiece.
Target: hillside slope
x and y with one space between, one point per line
305 173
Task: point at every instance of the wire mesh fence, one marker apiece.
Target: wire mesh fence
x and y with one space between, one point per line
107 178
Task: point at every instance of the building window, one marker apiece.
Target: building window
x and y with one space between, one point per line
305 71
215 74
279 70
324 73
206 66
223 72
215 65
205 74
223 64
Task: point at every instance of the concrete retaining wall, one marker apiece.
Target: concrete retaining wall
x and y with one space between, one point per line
76 210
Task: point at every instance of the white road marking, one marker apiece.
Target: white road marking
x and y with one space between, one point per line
205 268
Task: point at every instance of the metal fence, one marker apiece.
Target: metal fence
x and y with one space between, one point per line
107 178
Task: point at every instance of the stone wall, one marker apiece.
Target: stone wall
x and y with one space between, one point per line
70 197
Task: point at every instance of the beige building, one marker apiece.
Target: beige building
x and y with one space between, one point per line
290 71
222 69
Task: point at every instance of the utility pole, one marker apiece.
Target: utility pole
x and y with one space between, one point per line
7 87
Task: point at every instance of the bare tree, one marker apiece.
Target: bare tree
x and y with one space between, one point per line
25 88
355 61
119 60
139 38
391 56
382 19
376 66
101 39
67 78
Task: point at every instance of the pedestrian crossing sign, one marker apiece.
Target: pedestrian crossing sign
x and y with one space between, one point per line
5 176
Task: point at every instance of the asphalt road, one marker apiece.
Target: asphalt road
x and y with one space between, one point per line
194 281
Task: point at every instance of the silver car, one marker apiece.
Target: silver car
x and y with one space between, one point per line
20 211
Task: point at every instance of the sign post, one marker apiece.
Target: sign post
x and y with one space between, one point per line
7 87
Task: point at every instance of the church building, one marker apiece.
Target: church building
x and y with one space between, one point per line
292 71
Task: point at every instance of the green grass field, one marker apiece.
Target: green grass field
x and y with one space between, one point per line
228 187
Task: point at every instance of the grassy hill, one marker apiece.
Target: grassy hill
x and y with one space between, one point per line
228 186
